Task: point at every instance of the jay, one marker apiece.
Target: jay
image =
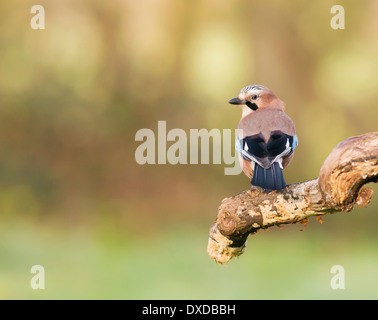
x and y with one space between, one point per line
266 137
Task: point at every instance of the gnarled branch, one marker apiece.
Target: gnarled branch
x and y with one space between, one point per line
351 164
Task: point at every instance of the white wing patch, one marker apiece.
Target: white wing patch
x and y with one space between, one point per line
252 158
283 154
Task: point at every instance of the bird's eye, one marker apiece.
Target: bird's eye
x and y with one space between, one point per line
254 97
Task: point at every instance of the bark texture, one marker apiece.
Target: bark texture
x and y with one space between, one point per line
351 164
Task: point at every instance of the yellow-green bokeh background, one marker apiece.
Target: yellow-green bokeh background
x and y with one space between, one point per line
72 96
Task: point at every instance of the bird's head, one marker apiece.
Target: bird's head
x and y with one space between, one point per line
255 97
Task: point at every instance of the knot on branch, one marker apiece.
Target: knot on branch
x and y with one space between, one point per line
351 164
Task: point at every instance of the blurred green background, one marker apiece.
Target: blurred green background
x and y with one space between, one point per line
72 96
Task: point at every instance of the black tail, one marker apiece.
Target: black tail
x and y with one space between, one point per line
268 179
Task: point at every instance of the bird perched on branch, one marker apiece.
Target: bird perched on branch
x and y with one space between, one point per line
266 137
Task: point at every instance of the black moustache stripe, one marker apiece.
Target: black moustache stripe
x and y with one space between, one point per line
252 105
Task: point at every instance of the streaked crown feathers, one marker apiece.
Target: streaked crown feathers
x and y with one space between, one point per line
256 87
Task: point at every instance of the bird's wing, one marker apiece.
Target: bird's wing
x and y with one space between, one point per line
254 148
